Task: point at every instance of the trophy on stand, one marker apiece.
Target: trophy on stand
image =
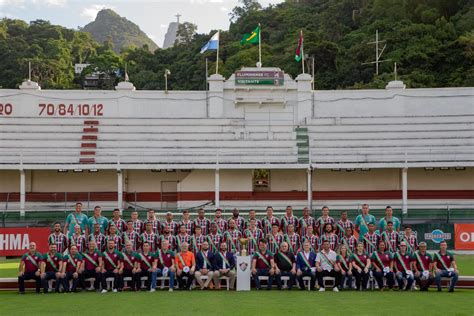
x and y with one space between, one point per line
243 247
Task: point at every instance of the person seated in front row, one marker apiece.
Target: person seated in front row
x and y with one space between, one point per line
285 265
306 265
262 265
326 266
445 266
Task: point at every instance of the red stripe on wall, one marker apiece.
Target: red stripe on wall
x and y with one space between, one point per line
240 196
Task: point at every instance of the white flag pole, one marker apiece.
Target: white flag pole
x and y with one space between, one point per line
302 50
259 44
217 58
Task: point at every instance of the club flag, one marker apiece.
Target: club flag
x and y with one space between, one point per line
299 49
213 43
253 37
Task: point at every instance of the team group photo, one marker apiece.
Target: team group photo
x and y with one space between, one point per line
237 157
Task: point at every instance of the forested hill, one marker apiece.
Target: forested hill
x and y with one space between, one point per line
432 42
108 25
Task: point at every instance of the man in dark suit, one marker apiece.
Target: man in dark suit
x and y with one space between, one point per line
285 265
224 265
306 265
204 265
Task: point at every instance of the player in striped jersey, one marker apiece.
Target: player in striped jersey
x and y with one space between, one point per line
306 221
239 220
197 239
410 239
97 237
349 241
202 222
182 237
390 237
214 238
170 224
187 223
117 239
268 221
58 238
151 217
311 238
221 223
149 237
370 240
131 236
171 239
77 239
288 219
293 239
342 224
275 238
329 236
117 221
323 220
253 235
253 215
138 225
232 237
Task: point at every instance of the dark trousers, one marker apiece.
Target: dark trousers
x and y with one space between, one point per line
110 274
263 272
290 283
345 276
137 279
70 277
127 273
308 273
189 281
50 275
86 274
378 275
361 279
333 273
424 284
29 276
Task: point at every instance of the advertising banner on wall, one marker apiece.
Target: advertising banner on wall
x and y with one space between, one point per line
464 236
15 241
433 234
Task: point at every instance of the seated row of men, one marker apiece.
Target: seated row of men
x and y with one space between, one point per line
399 265
75 267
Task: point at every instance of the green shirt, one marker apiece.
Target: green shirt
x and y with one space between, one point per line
383 224
102 221
363 229
73 219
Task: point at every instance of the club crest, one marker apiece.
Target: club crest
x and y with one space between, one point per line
243 266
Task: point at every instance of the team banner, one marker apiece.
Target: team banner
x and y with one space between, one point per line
464 236
15 241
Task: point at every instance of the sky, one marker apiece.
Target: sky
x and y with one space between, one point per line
152 16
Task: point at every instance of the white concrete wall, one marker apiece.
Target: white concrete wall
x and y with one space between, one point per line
204 181
53 181
421 179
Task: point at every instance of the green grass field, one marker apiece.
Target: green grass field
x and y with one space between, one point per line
241 303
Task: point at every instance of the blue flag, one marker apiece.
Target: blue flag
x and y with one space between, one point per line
213 43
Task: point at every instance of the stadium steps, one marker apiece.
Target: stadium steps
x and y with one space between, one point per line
302 143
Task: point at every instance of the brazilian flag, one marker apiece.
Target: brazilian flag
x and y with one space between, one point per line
253 37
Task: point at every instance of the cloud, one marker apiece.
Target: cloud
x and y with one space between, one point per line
164 26
91 11
224 9
13 3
